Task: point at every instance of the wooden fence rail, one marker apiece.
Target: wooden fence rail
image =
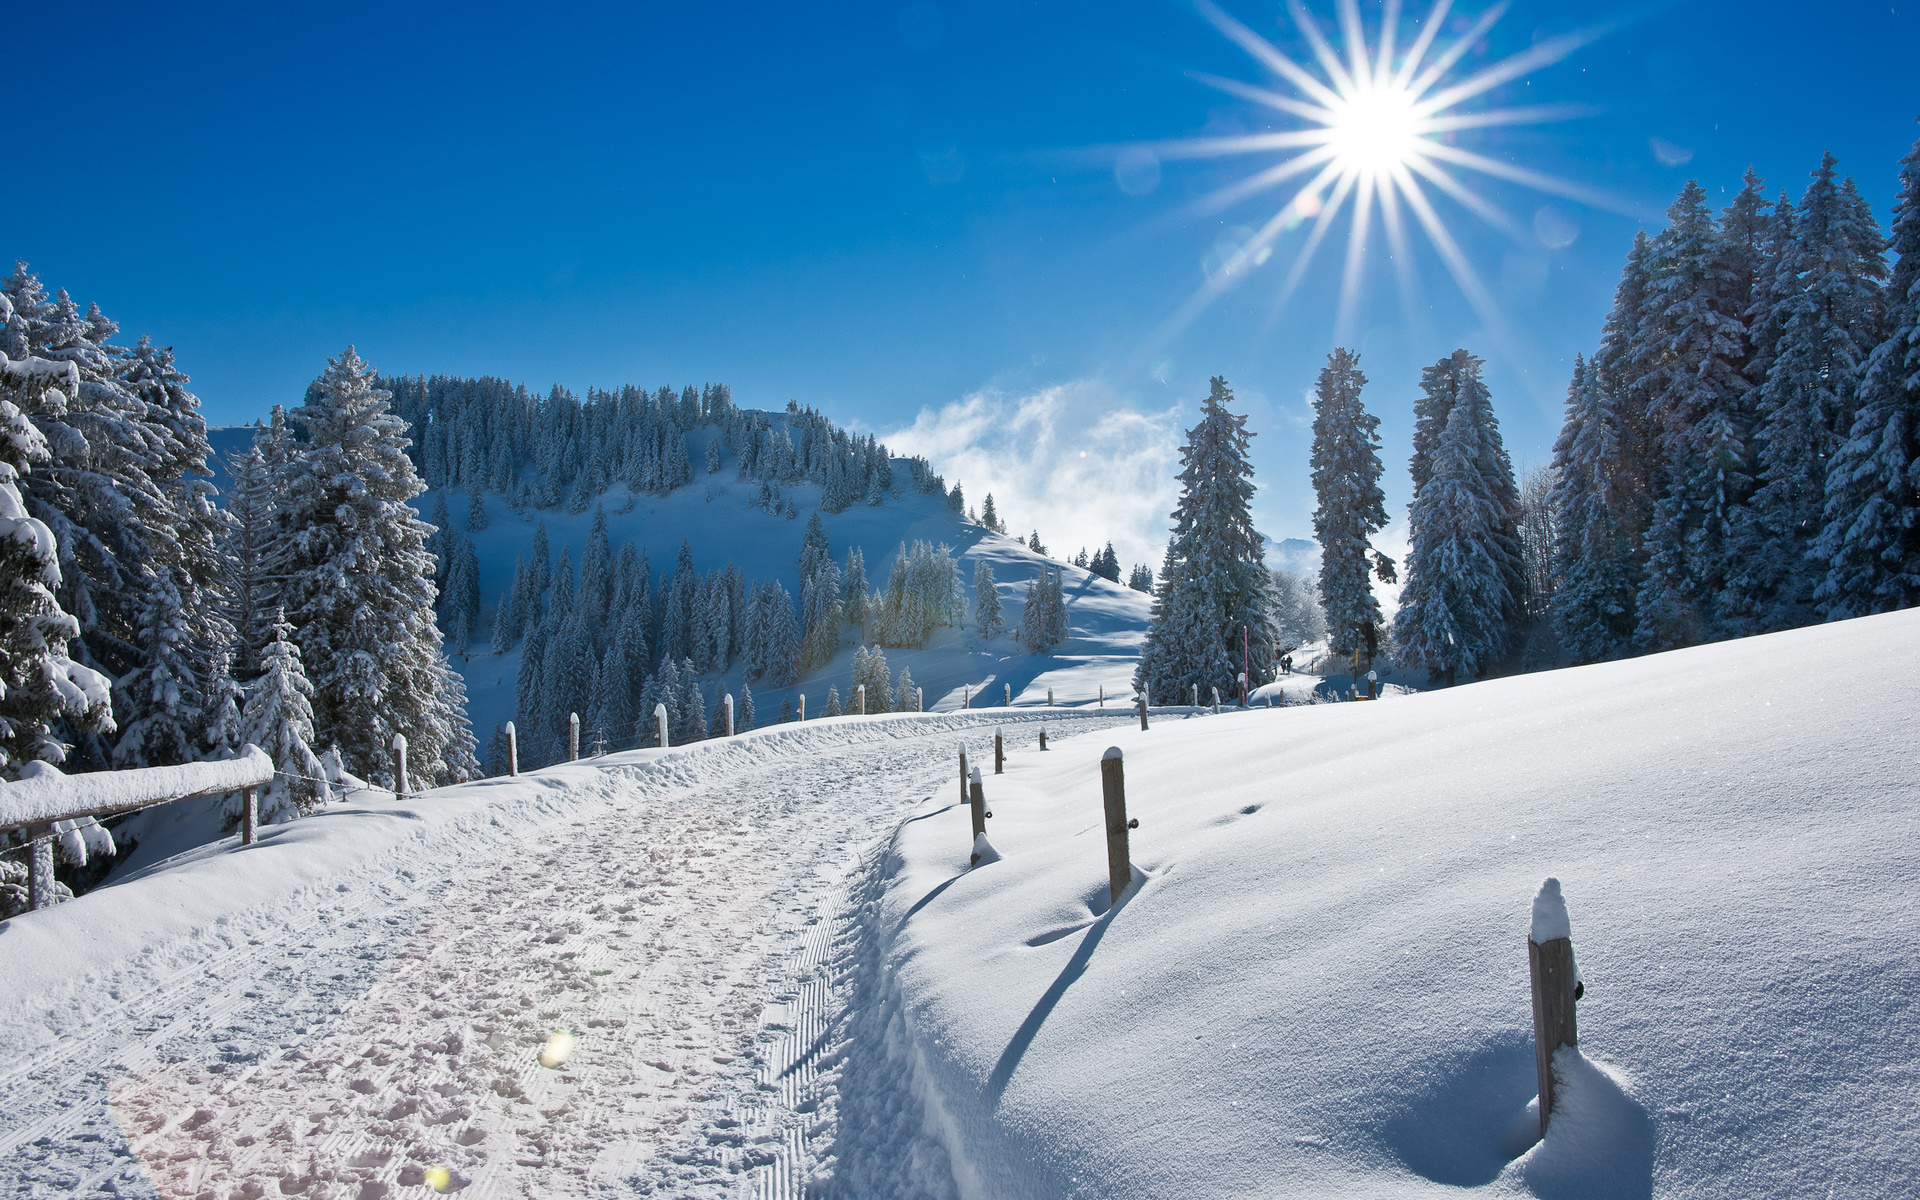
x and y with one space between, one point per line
35 804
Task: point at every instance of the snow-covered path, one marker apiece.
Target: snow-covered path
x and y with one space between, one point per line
693 917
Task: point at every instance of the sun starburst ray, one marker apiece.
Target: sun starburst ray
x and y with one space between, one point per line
1485 209
1532 114
1226 197
1303 20
1388 23
1350 278
1267 97
1418 50
1246 143
1534 179
1263 53
1453 53
1356 39
1544 54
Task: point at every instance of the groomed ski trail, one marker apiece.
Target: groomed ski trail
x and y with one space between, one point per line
699 919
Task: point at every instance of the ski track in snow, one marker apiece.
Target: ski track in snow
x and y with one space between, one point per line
703 924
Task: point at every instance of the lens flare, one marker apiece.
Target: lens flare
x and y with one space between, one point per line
560 1044
444 1179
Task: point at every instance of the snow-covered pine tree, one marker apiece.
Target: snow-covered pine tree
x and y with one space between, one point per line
833 703
498 751
250 554
713 456
1453 381
476 509
786 711
853 587
278 718
821 617
990 516
1869 544
460 605
539 569
440 541
164 693
780 662
596 569
1454 610
221 734
1297 618
1033 543
693 708
870 670
813 549
1593 553
1690 347
1829 311
1215 585
1043 617
987 617
1459 527
1141 578
39 683
359 587
956 500
743 714
504 618
1351 507
560 595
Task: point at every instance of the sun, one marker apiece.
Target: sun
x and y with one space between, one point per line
1378 122
1374 131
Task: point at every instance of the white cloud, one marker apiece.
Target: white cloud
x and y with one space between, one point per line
1074 461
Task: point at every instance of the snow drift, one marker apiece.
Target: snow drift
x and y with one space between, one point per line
1317 984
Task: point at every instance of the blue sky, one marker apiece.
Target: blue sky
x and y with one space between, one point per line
893 211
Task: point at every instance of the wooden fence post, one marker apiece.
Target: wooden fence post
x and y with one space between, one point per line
573 737
919 699
860 699
729 708
999 755
40 893
1556 986
1196 695
966 695
1049 697
963 774
1216 702
1103 695
249 816
977 799
513 750
399 766
1113 788
660 723
1143 714
1006 695
803 706
1043 737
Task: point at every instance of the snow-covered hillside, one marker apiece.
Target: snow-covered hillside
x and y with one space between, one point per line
785 978
1106 621
1319 985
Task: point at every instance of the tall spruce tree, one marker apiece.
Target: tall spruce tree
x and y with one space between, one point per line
1691 344
40 684
358 588
1351 507
1828 312
278 718
987 617
1869 545
1593 554
1454 611
1454 381
1212 612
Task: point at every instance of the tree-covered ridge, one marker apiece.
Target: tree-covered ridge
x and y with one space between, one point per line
487 435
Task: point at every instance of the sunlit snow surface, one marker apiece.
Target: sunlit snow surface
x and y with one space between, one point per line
785 979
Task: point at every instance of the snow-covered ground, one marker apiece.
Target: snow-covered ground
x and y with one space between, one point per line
784 975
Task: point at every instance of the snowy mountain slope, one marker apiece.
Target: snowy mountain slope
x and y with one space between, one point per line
1320 986
1106 620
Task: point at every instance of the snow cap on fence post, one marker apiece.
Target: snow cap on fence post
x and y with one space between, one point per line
573 737
513 750
1006 695
803 706
860 698
399 766
729 708
1143 713
1216 701
1556 988
660 723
